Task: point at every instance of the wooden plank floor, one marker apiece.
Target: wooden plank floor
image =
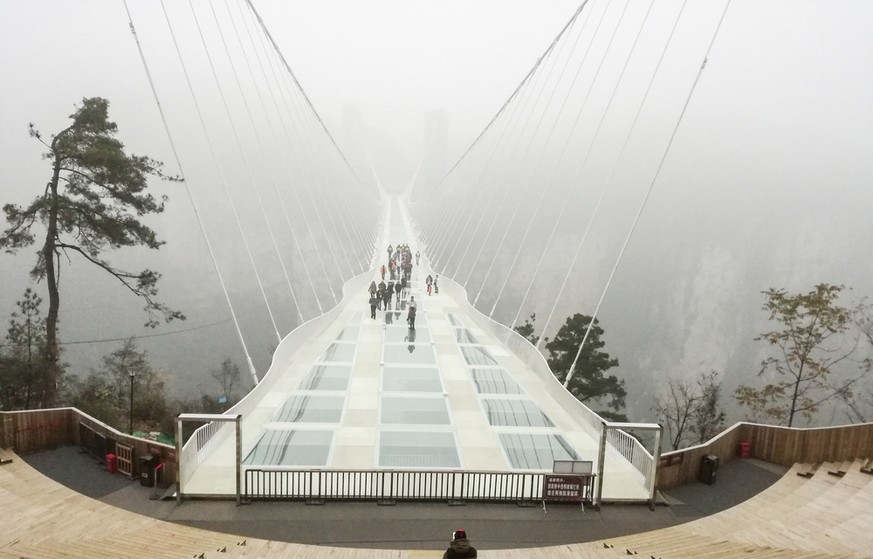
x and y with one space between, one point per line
820 517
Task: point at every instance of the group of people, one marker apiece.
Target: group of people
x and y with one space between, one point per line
399 262
432 285
400 274
381 295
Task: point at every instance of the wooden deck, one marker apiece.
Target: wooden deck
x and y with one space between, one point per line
820 517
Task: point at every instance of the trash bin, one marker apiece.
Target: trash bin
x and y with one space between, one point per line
708 469
147 465
745 449
111 463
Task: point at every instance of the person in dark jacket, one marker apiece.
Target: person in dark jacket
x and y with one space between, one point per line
459 547
386 297
373 304
398 287
410 317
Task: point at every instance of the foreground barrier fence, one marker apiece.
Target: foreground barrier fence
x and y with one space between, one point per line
36 430
412 485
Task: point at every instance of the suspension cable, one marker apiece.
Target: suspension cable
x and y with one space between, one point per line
539 160
260 146
194 207
493 221
456 216
239 146
480 191
648 194
518 88
594 138
283 160
608 183
295 190
300 87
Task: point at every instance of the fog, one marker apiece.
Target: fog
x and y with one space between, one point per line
767 182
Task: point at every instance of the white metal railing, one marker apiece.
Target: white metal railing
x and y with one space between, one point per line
419 485
203 441
633 451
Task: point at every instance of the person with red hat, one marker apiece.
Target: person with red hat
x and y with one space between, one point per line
459 547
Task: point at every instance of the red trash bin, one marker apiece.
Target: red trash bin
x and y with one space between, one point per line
111 463
745 449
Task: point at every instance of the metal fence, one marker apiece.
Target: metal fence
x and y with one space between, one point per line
397 485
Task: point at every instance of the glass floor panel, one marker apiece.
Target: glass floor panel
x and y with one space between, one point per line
494 381
418 379
477 355
527 451
349 333
403 354
412 449
398 410
291 448
455 320
399 318
464 336
311 409
327 377
515 413
402 334
343 352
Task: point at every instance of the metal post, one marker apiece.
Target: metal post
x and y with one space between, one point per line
601 459
238 457
130 423
178 460
656 462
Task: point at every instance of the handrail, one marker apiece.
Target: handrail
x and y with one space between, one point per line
265 483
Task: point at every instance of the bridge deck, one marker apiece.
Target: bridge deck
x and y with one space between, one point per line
365 393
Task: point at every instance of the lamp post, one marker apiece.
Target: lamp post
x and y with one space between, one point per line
130 423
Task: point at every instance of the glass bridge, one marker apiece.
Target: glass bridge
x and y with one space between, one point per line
346 391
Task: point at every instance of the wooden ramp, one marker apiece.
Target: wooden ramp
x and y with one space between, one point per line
819 517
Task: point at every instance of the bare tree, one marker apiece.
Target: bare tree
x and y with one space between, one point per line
228 378
692 412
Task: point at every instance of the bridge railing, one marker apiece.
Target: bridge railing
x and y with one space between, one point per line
530 356
266 483
630 448
622 445
209 437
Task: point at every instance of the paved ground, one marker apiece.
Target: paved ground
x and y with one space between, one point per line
411 525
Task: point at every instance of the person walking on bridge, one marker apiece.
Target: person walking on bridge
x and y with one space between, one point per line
390 251
373 306
382 271
386 296
417 257
410 316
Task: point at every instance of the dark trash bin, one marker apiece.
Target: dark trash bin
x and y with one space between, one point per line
147 465
708 469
